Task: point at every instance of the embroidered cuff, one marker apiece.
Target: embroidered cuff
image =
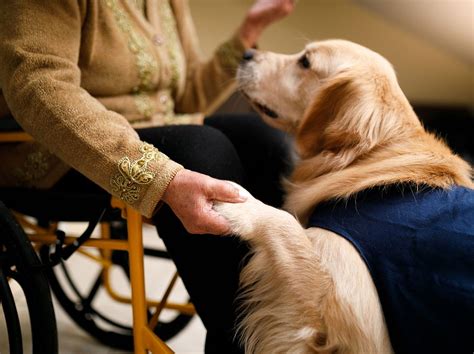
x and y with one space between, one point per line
142 182
154 193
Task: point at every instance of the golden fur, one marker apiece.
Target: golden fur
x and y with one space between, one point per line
308 290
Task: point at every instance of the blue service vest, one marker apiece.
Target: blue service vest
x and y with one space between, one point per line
419 249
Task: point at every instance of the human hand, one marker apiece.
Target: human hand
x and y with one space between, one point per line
191 195
261 15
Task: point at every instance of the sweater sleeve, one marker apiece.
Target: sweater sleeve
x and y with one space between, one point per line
40 79
209 82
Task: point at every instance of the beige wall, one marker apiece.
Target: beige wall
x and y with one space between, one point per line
427 74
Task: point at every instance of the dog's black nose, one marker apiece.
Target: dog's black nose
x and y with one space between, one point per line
248 55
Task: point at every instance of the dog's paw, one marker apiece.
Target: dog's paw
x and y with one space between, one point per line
253 218
242 217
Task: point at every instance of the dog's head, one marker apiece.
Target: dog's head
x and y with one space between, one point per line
335 95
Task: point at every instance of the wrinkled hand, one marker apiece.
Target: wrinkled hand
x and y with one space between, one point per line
261 15
191 196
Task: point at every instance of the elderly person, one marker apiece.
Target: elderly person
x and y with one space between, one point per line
113 92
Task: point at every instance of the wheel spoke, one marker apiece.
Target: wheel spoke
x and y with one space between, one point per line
112 322
69 279
93 292
92 318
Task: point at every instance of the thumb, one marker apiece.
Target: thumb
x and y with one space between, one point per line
227 192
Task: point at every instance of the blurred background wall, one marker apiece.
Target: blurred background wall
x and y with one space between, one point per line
429 42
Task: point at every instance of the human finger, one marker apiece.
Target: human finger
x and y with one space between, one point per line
227 192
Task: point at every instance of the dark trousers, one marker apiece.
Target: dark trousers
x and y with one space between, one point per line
239 148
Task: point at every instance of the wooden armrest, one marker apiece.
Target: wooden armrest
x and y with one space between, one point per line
120 204
11 131
14 137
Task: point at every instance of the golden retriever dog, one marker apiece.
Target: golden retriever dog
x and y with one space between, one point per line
308 290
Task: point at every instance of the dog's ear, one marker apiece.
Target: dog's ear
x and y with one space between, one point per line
320 113
344 120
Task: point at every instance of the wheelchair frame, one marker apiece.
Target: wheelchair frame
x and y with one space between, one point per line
145 340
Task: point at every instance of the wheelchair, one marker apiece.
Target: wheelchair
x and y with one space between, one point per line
19 264
25 228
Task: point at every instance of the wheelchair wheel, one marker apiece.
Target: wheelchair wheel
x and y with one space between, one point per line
96 319
21 268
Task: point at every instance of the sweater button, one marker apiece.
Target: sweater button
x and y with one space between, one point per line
163 98
157 40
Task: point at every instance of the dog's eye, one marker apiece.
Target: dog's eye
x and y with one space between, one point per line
304 62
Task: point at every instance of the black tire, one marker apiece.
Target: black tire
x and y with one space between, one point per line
94 320
19 262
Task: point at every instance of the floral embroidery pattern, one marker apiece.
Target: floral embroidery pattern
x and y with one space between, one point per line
170 31
145 61
132 174
34 168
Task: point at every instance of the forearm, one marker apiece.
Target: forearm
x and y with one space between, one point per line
40 79
98 143
208 82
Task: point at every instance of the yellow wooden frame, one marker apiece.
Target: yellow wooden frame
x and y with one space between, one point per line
15 137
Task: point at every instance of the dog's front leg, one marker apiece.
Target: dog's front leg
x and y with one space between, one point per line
279 313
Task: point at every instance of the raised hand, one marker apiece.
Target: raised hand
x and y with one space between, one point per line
262 14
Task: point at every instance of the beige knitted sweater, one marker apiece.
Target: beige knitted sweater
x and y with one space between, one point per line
80 75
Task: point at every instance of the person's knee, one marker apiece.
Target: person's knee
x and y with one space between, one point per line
250 132
209 151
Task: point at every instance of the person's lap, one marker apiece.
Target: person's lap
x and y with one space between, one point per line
240 148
